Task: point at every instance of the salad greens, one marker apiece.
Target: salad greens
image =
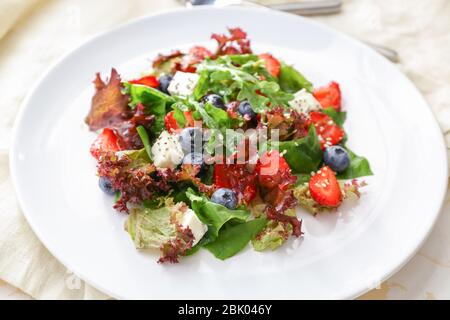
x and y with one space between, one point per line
214 215
338 117
303 155
150 228
154 101
234 238
359 167
182 197
145 140
235 77
272 236
292 81
228 230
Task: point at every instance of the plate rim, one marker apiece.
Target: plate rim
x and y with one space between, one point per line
182 10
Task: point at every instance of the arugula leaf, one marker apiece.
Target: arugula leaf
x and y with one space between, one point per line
219 116
338 117
291 80
202 86
258 102
241 59
274 94
154 101
234 238
213 117
359 167
214 215
303 155
145 140
218 121
238 77
178 115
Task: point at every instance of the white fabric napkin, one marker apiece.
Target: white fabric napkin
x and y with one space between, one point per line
33 34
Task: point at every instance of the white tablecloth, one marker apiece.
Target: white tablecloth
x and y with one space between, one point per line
34 33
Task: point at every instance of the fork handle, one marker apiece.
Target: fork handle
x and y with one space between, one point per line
309 8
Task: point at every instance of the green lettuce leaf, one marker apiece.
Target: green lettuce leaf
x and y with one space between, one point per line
150 228
303 155
214 215
272 236
234 238
359 167
145 140
138 157
238 77
291 80
154 101
242 59
305 200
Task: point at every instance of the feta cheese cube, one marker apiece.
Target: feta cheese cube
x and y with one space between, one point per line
183 83
304 102
197 227
167 151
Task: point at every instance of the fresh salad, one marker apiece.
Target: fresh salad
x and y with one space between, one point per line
217 149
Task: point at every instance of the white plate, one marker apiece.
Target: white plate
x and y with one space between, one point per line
342 255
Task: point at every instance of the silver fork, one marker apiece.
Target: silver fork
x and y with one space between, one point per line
305 8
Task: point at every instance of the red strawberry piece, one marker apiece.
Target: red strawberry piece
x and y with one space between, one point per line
106 141
329 96
149 81
325 189
273 171
272 64
328 131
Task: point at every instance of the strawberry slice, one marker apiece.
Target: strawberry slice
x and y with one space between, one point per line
149 81
106 141
329 96
328 131
272 64
273 171
325 189
171 123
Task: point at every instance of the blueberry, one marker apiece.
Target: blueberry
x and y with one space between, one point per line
196 158
336 158
106 186
213 99
245 109
164 82
225 197
191 139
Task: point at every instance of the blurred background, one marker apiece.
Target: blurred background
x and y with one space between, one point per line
35 33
